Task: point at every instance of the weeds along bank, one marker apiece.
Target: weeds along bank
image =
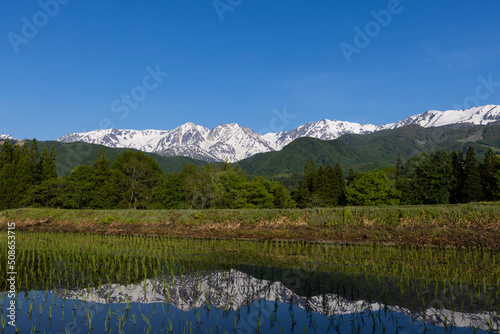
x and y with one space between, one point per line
463 225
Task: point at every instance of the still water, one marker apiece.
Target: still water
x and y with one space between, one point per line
253 299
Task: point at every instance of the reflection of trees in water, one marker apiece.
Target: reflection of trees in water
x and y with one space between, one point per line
233 290
416 295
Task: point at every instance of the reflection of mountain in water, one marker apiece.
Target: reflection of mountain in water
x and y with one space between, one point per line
228 290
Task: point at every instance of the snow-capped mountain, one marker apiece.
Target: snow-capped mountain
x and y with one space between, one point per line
488 114
6 137
325 129
233 142
230 142
233 289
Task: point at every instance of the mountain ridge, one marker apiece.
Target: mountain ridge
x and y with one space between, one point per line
234 289
233 142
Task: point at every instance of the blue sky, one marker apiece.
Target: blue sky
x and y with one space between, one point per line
73 66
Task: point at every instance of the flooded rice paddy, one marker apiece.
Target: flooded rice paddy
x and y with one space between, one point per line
74 283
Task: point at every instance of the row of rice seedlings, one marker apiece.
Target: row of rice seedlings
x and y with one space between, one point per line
341 255
83 265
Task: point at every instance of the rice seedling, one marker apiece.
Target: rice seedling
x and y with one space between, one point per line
374 273
147 320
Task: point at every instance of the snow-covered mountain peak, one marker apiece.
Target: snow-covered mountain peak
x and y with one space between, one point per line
190 126
6 137
232 290
473 116
233 142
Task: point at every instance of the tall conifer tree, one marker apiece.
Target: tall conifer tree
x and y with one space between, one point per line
34 154
340 185
102 192
488 168
457 165
47 166
472 189
24 179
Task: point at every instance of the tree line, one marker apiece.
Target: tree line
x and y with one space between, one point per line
436 178
134 180
22 169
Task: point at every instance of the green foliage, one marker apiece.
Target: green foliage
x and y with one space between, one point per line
103 194
472 188
487 168
21 169
229 187
136 180
457 166
370 151
322 186
433 179
136 177
496 189
372 188
48 165
71 155
34 155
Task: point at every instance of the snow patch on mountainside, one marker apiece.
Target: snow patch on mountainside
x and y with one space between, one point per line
325 129
232 142
474 116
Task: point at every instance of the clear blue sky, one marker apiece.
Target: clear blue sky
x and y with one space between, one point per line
71 73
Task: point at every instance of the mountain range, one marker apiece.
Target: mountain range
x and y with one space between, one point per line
232 142
233 290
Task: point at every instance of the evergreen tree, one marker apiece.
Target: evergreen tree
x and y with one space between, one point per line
6 153
399 165
433 179
488 168
351 176
34 154
282 198
339 185
79 189
16 175
7 173
496 189
319 190
401 182
24 179
472 189
48 193
172 192
47 166
52 162
305 191
328 186
457 166
9 191
103 195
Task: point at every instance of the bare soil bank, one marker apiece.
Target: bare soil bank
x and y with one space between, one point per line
469 225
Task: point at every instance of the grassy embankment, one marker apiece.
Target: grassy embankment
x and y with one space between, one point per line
469 225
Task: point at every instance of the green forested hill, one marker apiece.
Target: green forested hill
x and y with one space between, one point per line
371 151
362 152
70 155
